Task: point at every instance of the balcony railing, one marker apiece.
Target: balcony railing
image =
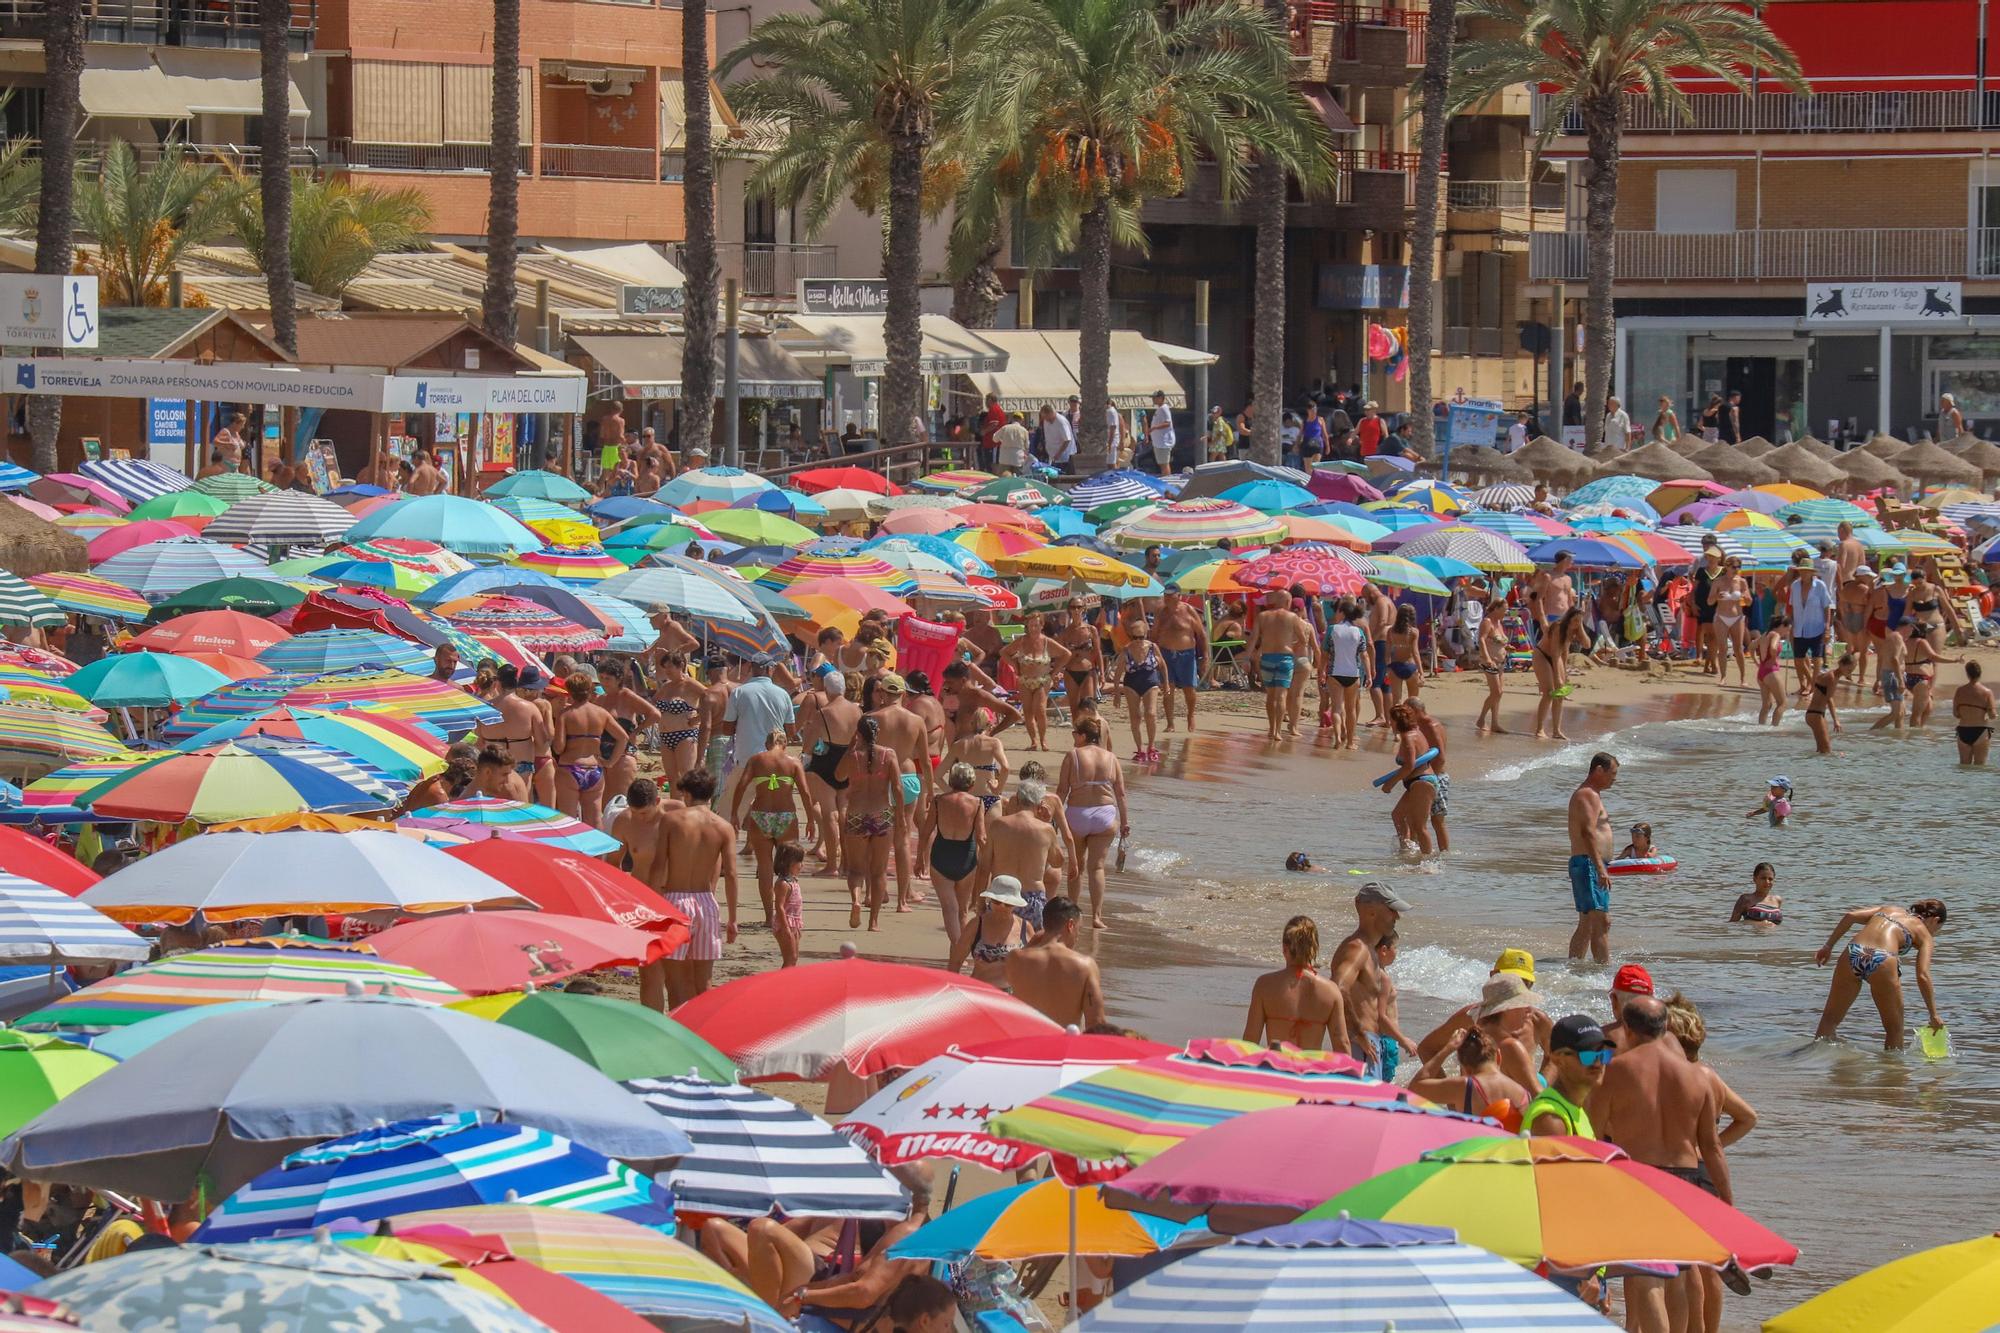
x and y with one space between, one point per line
1814 113
1350 20
226 23
769 268
435 158
239 157
1387 161
1505 196
1814 254
600 162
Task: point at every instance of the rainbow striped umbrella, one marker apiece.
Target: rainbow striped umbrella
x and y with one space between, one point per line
322 650
90 522
39 688
860 568
398 693
531 510
21 603
952 482
65 784
423 557
91 595
158 570
402 748
478 817
1197 523
39 734
1514 527
228 782
253 972
575 564
39 659
725 485
530 622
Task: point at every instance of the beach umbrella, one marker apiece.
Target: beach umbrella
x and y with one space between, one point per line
486 1264
1674 494
1329 485
179 504
482 953
406 750
35 659
928 522
1444 567
234 632
536 483
1038 1220
317 652
1200 522
489 817
531 510
858 568
1215 578
1208 480
568 532
144 680
1435 496
1396 520
1016 492
233 486
435 1161
792 504
919 562
866 1015
847 505
37 1071
528 622
1484 550
21 603
619 1039
978 514
382 574
1106 514
1573 1204
680 589
896 550
1394 571
1110 487
1655 549
1588 552
419 555
230 782
1787 491
1950 1289
1072 562
61 786
813 481
232 876
991 544
1515 527
39 924
755 1155
85 523
158 569
573 884
628 625
1228 1174
14 477
624 508
1355 534
1343 1276
1506 495
1618 488
1734 519
952 480
725 485
1698 511
1767 499
758 527
635 543
274 970
464 526
87 595
1269 496
282 518
73 488
27 857
251 596
115 541
1689 537
310 1285
838 604
36 735
648 1273
1063 521
233 1095
1320 573
485 578
572 564
1765 551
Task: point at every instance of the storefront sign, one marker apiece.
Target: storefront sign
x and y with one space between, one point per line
461 393
167 428
238 383
48 310
843 296
1883 302
634 299
1363 287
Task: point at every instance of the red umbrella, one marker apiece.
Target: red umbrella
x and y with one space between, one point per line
113 540
231 632
557 880
29 857
484 953
1330 485
814 480
1321 573
805 1022
563 1303
998 596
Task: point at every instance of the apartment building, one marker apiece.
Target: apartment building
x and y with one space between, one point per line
1835 256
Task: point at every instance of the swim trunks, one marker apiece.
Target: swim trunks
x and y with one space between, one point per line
1440 796
1276 669
1392 1057
1892 685
704 943
1183 666
1696 1175
1370 1055
1588 891
912 788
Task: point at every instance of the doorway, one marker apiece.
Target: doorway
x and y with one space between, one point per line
1773 389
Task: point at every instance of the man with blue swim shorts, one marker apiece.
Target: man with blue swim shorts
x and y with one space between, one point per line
1590 842
1183 641
1278 637
905 733
1356 968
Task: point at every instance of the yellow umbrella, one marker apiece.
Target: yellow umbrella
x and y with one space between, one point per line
416 1252
1951 1289
567 532
1957 495
1746 518
826 613
1070 562
1790 493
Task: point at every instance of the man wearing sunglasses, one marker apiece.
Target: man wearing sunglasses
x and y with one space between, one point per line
1579 1053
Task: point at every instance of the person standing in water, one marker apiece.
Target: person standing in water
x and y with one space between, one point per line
1183 641
1972 709
1589 850
1763 905
1295 1003
1875 957
1278 637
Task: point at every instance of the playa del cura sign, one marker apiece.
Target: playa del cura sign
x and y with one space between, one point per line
1884 302
843 296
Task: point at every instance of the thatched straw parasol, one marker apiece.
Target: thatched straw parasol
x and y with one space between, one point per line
1885 446
1728 464
1479 460
1931 462
1659 461
1819 449
1868 472
1756 446
30 545
1550 460
1980 453
1801 466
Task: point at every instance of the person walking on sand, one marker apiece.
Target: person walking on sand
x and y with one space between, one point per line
1349 660
772 782
953 833
1278 637
1296 1004
1183 641
698 846
1091 784
1493 648
1972 709
904 734
1019 842
1142 668
1036 659
1049 973
827 722
876 816
1551 662
1358 971
995 931
1589 849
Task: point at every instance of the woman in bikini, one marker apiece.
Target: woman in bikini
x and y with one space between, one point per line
1406 669
773 780
985 754
1036 658
1920 672
634 712
996 931
1763 905
953 830
1481 1087
581 729
875 816
1771 687
1731 597
1296 1004
1412 813
1822 718
1551 659
1493 648
1930 609
1082 672
680 698
1144 670
1874 956
1092 787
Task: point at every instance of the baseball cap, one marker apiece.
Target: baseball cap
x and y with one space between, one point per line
1375 891
894 684
1005 889
1633 980
1519 962
697 452
1578 1032
1505 992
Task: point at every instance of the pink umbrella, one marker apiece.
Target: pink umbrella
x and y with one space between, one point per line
1341 486
113 540
65 487
929 522
37 508
1240 1172
1698 511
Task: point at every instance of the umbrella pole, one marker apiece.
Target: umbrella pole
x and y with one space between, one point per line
1075 1310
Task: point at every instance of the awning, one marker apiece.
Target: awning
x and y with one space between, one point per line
649 366
1330 112
673 114
1176 355
1034 373
167 84
1136 371
857 342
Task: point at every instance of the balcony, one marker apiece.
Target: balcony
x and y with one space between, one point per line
1371 45
1504 196
434 158
1815 255
1940 111
206 23
1376 189
768 268
600 162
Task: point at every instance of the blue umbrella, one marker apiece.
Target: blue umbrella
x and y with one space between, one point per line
1606 523
796 504
484 579
14 477
158 570
1110 487
1506 524
1589 552
1270 496
1063 521
322 650
621 507
1619 489
966 562
682 587
1445 567
453 522
1397 519
137 479
537 484
360 488
144 680
531 510
443 1161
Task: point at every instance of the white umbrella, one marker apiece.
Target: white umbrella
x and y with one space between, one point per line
39 924
844 504
281 518
677 589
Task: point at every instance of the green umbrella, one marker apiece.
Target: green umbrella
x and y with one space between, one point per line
757 527
233 486
305 566
620 1039
1017 491
37 1071
180 504
1104 513
254 597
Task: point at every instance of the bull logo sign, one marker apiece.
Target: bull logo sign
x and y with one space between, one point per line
1884 302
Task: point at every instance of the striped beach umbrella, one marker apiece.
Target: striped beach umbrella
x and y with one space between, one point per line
36 659
1506 495
856 568
1735 520
531 511
1430 494
1489 551
537 484
1588 552
89 522
89 595
233 486
528 622
21 603
320 651
281 518
1656 549
179 505
39 924
723 484
1689 537
14 477
755 1155
137 479
979 514
949 552
61 787
953 480
1766 551
485 578
1196 523
1515 527
1394 571
402 693
403 749
40 688
464 526
1111 487
572 564
1037 1220
227 782
624 508
144 680
423 557
252 972
38 735
488 817
69 488
159 569
444 1161
36 1072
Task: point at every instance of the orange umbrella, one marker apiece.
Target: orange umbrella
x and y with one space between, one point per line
1301 528
230 665
1000 516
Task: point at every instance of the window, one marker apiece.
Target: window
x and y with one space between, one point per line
1695 203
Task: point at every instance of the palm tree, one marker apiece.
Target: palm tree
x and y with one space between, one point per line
62 106
1434 97
702 278
335 227
143 221
1089 108
862 88
1591 55
274 169
503 209
1267 351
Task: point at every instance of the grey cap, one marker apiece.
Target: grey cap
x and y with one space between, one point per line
1375 891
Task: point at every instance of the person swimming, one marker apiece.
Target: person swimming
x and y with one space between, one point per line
1777 803
1641 845
1763 905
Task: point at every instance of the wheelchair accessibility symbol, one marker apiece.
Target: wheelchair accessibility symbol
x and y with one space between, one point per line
79 319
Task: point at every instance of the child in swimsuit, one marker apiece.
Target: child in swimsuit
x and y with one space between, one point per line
1777 803
1641 845
789 924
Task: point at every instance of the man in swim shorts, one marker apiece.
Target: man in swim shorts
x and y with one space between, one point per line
1277 637
1358 972
904 732
1183 642
1589 849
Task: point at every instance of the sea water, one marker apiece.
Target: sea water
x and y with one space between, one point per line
1859 1155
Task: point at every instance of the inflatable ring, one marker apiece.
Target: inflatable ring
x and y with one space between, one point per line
1422 760
1657 864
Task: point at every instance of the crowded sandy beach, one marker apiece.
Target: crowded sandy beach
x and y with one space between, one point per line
991 901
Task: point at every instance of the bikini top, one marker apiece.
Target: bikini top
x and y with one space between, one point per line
773 781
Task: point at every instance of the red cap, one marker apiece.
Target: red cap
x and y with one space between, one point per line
1633 980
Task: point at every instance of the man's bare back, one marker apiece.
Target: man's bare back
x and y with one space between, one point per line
1020 844
1662 1110
1057 980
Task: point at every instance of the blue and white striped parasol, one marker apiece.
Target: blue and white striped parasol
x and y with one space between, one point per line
137 479
39 924
158 570
322 650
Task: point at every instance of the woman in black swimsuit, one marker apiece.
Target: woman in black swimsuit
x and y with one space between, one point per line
828 722
953 828
1822 719
634 712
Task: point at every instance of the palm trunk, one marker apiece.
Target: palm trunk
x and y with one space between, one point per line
1603 124
1267 358
274 168
503 210
62 99
1094 451
1436 84
975 297
903 384
702 276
